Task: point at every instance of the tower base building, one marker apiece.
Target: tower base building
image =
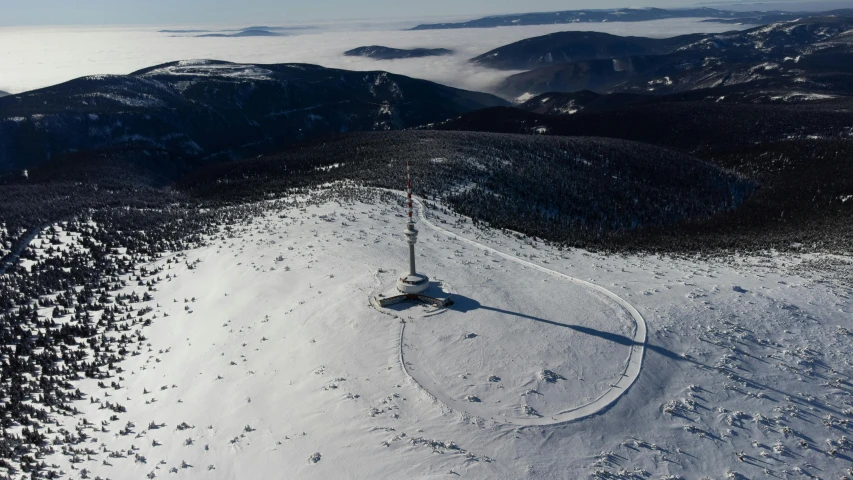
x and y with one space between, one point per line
413 284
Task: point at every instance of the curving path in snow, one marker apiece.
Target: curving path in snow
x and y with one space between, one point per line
599 404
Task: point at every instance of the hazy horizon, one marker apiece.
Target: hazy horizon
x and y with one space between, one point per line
46 55
52 55
266 12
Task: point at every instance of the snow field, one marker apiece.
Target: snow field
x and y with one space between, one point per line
596 326
272 364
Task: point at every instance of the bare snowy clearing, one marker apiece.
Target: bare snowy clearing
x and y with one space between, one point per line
595 324
486 348
271 360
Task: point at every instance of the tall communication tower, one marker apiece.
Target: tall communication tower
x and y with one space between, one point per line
414 282
413 286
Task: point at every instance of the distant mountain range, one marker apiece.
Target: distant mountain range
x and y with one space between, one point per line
249 32
3 94
627 15
768 108
183 31
812 53
207 111
378 52
771 103
726 146
256 31
565 47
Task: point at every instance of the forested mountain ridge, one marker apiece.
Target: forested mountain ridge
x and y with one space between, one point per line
574 190
379 52
569 103
213 111
814 52
799 152
628 15
573 46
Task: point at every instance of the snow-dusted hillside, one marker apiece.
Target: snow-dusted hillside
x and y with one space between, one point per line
264 359
216 110
793 55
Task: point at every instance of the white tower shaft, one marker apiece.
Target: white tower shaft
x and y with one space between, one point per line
411 233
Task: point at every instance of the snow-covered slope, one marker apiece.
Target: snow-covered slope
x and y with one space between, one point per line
271 362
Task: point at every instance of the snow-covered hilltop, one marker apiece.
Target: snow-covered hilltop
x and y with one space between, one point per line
260 354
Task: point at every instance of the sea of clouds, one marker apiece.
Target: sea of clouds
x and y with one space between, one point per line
36 57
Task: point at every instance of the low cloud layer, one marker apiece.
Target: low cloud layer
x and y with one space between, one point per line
42 56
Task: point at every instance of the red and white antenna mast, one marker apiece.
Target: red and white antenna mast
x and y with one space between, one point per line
413 283
409 189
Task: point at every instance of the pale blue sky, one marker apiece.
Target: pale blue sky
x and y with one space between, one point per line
272 12
53 12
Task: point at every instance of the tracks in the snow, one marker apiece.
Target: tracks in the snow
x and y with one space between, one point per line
603 402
